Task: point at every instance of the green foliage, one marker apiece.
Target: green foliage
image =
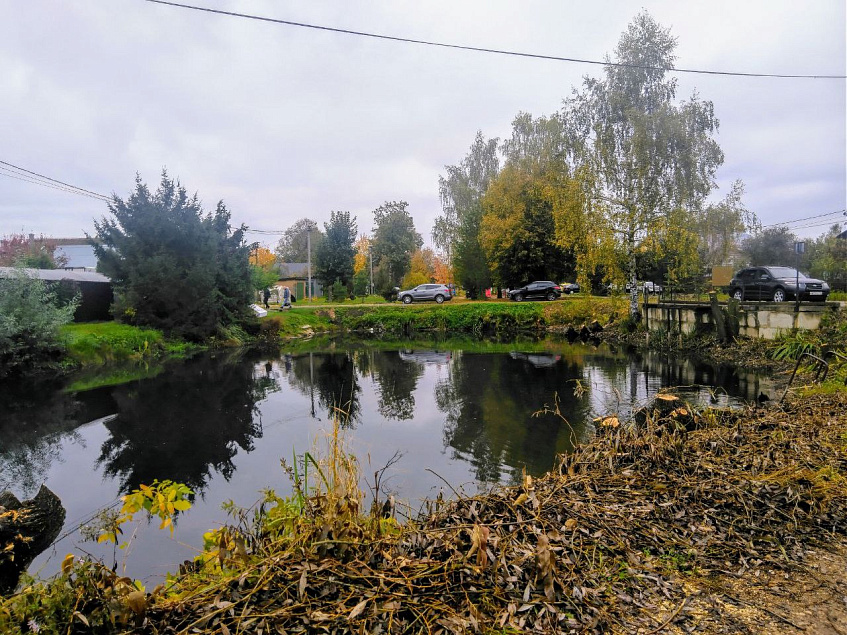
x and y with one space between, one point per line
361 282
394 240
518 230
294 244
30 322
262 277
649 156
334 256
794 344
173 267
456 231
160 499
102 342
770 246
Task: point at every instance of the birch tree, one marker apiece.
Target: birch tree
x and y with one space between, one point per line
649 154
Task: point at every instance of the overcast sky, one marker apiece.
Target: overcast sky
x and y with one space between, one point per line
283 122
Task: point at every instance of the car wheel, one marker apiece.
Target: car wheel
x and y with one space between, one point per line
439 299
738 294
779 295
551 296
518 297
407 299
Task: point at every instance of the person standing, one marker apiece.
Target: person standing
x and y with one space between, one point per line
267 296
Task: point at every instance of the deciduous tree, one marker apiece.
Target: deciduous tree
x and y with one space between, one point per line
293 246
649 154
18 250
456 231
394 240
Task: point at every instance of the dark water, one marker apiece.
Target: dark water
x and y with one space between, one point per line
220 423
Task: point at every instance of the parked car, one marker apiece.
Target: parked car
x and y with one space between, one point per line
776 283
538 290
649 287
570 287
423 292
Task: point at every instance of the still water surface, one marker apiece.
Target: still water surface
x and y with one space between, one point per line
221 422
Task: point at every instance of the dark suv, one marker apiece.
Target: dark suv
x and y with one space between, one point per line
539 290
776 283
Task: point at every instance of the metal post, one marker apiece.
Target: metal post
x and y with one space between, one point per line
309 262
371 255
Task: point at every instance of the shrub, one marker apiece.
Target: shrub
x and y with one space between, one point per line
30 319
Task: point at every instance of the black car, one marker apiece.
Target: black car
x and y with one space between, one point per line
570 287
776 283
538 290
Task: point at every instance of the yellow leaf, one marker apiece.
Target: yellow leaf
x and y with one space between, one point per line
520 500
68 563
182 505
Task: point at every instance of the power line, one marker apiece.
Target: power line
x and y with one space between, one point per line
460 47
798 220
23 174
26 179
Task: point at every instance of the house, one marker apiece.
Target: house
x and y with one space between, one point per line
95 289
295 276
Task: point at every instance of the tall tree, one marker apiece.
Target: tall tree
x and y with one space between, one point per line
421 268
828 258
335 254
770 246
394 240
650 155
721 224
456 231
293 246
518 230
172 266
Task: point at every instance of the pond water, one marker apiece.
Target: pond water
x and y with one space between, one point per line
465 414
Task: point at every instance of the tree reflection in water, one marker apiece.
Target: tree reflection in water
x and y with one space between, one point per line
331 381
488 401
187 422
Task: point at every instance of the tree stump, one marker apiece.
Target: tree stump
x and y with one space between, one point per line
26 529
669 408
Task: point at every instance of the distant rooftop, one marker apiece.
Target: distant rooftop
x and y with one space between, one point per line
55 274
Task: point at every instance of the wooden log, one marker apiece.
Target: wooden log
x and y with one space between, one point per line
26 529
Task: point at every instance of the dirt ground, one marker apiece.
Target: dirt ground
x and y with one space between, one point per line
812 600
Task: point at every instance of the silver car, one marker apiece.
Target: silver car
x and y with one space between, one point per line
424 292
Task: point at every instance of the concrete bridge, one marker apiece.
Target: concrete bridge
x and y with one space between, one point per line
756 319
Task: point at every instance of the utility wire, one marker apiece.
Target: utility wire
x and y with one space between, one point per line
554 58
798 220
47 181
26 179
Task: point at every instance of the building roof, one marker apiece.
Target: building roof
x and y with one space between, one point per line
294 269
55 274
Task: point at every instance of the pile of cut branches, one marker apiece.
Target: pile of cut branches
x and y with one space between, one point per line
601 544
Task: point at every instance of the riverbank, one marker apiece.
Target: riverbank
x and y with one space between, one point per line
492 318
675 527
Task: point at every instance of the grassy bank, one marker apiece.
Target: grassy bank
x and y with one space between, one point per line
479 318
659 517
93 343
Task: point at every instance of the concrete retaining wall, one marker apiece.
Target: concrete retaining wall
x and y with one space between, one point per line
764 320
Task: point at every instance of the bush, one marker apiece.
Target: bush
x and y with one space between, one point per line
30 319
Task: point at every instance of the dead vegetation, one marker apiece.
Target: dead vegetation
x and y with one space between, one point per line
636 532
